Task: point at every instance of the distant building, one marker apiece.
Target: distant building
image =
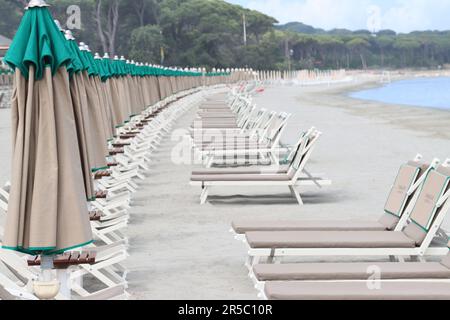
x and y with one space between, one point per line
4 45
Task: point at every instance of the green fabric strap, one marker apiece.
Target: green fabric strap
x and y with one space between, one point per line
76 65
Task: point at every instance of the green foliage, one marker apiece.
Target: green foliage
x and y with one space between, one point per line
146 43
210 33
10 14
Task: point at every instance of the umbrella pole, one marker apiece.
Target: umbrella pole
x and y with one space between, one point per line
46 268
62 275
46 288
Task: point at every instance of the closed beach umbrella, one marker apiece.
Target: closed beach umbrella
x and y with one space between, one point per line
97 119
47 210
103 106
80 107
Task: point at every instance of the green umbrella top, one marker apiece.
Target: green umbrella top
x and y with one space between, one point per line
88 60
76 65
38 42
103 67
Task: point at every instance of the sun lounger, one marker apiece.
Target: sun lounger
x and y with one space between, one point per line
352 271
408 181
253 129
415 239
290 281
291 179
401 290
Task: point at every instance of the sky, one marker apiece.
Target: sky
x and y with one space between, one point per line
398 15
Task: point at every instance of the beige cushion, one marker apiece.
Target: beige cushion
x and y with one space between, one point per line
425 207
260 170
244 226
446 261
241 177
356 291
218 122
216 126
210 136
389 221
239 146
349 271
444 170
329 239
399 193
415 233
216 115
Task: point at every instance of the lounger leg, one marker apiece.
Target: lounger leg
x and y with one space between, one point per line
204 195
252 261
248 263
296 194
210 162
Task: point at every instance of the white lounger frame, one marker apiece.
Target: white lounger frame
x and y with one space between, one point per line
254 255
304 155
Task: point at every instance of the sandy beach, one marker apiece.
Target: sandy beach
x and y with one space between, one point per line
182 250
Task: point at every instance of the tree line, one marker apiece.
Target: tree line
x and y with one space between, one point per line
210 33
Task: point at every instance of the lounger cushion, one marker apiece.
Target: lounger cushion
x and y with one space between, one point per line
446 261
415 233
329 239
241 177
217 123
349 271
260 170
389 221
398 195
215 126
444 170
217 115
356 291
244 226
232 147
425 208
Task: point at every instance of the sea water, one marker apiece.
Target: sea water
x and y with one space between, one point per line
423 92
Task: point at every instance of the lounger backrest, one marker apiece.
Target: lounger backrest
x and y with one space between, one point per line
304 152
398 195
255 122
274 131
296 155
264 122
265 132
3 204
246 121
426 208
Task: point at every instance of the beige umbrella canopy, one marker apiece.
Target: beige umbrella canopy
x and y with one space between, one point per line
47 210
78 89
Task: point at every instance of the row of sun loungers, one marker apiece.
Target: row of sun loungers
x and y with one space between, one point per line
234 133
410 225
98 271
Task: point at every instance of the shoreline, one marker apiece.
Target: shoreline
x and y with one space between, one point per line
428 120
376 85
